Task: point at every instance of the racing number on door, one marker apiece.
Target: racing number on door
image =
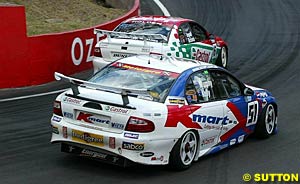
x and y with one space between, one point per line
252 113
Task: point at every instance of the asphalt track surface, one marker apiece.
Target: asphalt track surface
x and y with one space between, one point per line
264 46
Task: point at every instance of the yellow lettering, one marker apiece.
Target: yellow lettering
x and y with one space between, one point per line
276 177
286 177
295 177
264 177
257 177
272 176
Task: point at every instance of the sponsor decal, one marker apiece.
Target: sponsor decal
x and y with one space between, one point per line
131 135
87 138
112 142
55 129
68 115
146 70
117 110
208 140
70 100
212 119
261 94
182 114
93 119
90 118
161 158
142 69
96 154
117 125
133 146
241 138
65 132
71 149
174 117
215 127
232 142
147 154
93 154
200 55
177 101
248 98
55 118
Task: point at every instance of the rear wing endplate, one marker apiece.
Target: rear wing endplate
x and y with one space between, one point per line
134 36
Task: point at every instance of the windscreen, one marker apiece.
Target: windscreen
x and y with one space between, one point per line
144 28
154 82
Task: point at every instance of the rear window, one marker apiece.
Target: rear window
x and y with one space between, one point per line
155 83
144 28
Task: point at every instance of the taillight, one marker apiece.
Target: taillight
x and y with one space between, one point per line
136 124
97 52
57 108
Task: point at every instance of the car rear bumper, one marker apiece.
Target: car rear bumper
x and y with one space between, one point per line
140 150
93 153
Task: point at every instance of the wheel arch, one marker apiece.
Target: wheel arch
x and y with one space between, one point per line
276 107
197 133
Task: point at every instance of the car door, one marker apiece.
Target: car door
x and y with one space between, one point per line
200 92
240 111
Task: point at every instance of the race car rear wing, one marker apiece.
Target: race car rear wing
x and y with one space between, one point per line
134 36
75 83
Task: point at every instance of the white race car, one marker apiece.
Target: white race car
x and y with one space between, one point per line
172 36
158 110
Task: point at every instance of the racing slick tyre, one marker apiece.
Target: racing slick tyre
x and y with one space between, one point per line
266 124
222 60
184 151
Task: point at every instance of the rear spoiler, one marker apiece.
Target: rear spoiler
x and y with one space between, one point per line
75 83
133 36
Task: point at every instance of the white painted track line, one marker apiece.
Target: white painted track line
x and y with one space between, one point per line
31 96
162 7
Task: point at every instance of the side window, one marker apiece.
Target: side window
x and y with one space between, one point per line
198 32
226 85
190 92
200 88
185 34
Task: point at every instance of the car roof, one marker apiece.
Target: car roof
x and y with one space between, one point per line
164 20
171 64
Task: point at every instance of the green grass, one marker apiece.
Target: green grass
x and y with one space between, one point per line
52 16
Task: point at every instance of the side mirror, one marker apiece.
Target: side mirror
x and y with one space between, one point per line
248 92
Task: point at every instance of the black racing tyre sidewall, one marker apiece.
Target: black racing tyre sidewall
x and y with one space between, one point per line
260 128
